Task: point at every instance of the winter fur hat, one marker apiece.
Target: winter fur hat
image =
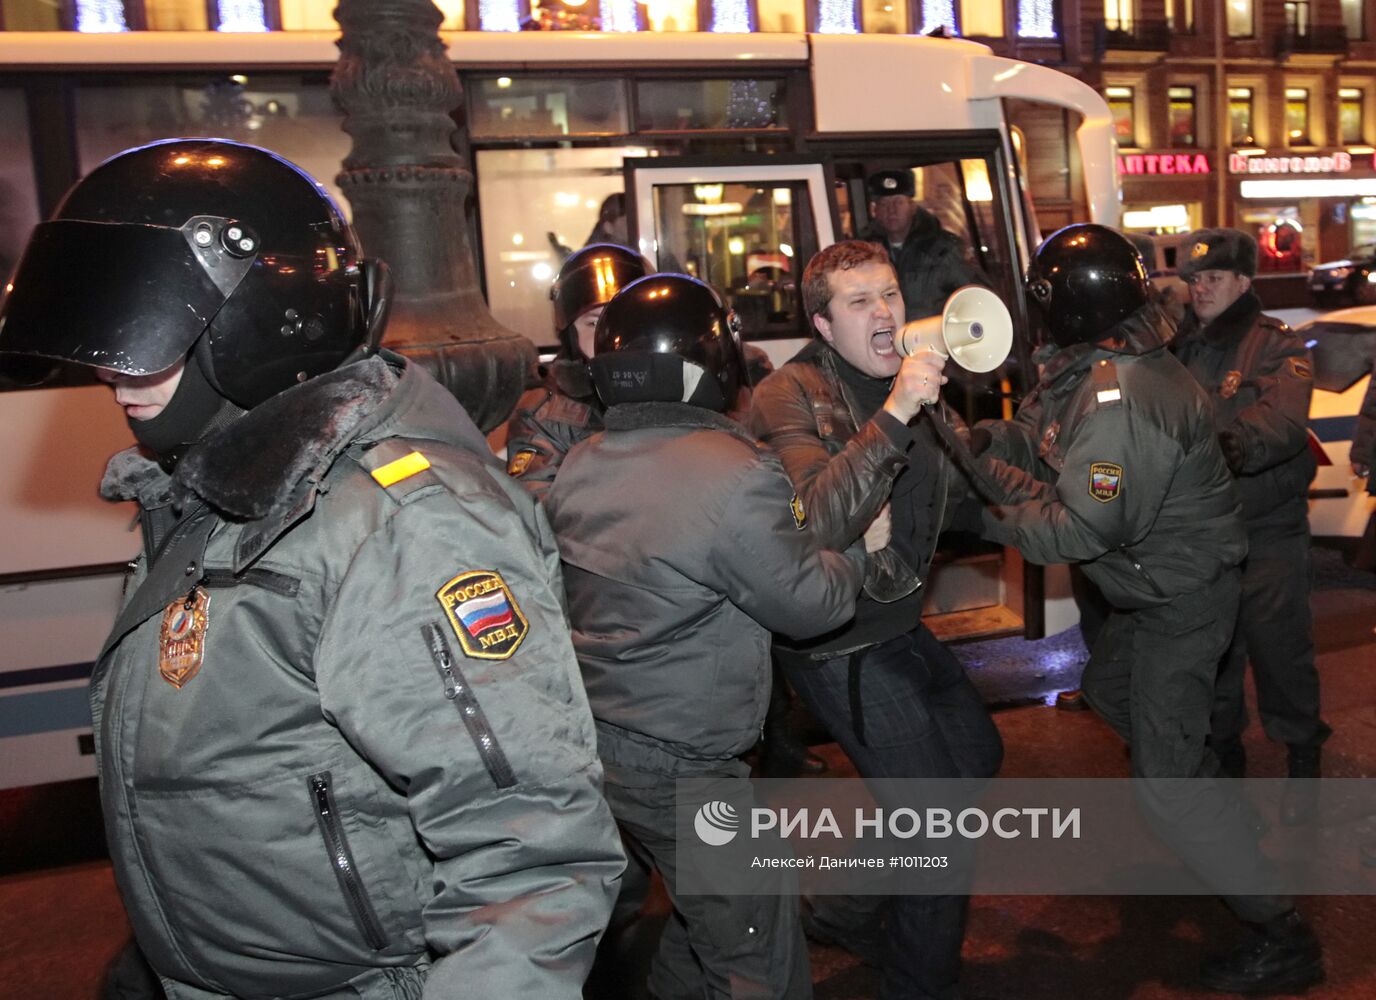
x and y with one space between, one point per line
886 182
1217 250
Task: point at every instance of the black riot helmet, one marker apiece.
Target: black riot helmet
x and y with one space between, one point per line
590 278
1083 281
202 242
668 338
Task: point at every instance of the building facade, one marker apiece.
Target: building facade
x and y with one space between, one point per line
1259 114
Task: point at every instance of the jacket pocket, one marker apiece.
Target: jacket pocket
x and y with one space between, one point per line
458 691
342 860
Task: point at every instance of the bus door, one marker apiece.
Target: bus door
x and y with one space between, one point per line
749 229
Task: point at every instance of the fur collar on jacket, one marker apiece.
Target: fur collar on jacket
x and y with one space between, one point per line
1228 327
269 463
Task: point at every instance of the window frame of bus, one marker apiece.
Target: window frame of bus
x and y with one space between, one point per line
806 167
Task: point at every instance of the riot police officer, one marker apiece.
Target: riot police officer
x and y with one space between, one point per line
684 545
1259 378
1112 463
564 409
343 746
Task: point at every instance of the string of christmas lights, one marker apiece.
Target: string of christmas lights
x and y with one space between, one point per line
619 15
1036 18
938 14
730 15
242 15
100 15
837 17
498 15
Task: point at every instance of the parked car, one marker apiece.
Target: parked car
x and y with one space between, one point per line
1351 281
1343 343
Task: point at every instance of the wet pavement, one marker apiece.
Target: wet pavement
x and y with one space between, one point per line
60 919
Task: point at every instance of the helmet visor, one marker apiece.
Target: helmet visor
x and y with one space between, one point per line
131 298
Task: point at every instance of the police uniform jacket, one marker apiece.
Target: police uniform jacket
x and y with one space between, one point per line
343 746
549 420
1112 462
1258 375
683 549
931 264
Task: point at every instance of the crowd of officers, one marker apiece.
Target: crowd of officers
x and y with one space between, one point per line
382 719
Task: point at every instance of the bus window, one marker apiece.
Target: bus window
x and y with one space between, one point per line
502 107
748 241
291 115
538 206
679 105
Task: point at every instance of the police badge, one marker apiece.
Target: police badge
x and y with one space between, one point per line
181 639
484 614
1105 481
1230 385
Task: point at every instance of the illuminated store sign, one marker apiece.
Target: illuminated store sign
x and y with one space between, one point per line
1163 163
1331 163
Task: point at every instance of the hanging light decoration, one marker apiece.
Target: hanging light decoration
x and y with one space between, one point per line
498 15
619 15
837 17
939 14
1036 18
731 16
242 15
100 15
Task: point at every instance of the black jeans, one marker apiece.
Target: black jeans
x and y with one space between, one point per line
919 717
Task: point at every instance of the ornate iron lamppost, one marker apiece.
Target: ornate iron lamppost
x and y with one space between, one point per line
409 188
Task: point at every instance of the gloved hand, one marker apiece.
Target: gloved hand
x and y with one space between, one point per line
1233 451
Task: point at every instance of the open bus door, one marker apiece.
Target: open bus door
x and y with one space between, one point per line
749 228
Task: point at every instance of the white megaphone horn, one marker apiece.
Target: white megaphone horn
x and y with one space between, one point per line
974 330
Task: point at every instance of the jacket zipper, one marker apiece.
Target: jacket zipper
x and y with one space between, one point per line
1142 570
458 690
342 860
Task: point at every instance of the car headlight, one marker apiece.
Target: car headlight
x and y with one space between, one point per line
1339 273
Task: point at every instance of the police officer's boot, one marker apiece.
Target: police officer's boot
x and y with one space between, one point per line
1299 802
783 755
1281 956
1231 754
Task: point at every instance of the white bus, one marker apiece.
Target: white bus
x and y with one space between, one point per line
732 157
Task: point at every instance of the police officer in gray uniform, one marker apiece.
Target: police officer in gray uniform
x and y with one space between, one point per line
684 545
1112 463
564 409
344 751
1258 375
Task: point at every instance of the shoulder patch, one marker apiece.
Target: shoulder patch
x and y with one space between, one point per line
520 462
484 614
795 507
1105 481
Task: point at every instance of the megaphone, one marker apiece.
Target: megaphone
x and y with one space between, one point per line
974 330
